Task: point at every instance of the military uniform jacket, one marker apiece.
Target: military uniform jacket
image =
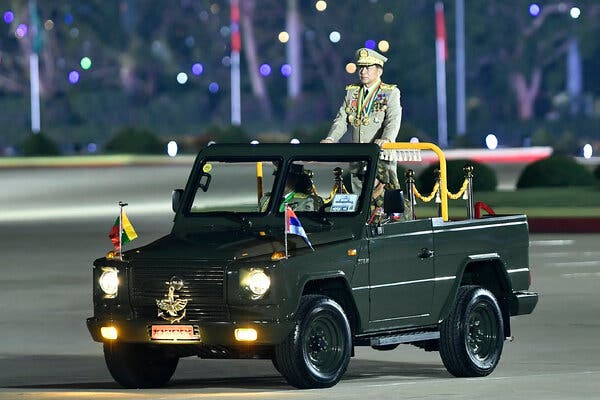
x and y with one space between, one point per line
382 119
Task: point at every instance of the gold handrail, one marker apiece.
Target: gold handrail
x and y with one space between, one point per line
259 180
443 173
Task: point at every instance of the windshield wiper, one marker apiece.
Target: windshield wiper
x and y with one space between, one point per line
241 219
317 217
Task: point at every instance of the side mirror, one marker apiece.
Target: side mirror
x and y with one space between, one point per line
393 201
176 199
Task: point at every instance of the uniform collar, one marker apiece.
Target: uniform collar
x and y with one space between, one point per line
374 85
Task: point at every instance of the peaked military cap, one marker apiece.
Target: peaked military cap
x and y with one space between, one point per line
366 56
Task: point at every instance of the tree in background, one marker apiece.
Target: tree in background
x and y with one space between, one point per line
508 43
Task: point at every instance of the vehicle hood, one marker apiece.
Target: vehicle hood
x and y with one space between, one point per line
228 245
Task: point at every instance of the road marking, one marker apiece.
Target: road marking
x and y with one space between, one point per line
493 378
33 394
83 212
583 275
575 264
568 242
594 254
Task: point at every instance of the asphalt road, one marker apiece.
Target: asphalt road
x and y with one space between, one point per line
53 223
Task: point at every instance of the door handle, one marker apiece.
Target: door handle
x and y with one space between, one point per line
426 253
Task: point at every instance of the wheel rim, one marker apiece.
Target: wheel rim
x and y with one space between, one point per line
482 332
324 345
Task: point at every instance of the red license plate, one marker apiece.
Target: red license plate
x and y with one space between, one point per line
173 332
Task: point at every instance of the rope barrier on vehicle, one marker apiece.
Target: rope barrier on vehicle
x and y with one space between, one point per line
426 199
460 192
435 191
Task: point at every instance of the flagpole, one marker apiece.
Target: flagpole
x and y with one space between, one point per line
121 205
440 62
285 228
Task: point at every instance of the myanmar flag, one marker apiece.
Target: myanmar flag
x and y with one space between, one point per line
127 233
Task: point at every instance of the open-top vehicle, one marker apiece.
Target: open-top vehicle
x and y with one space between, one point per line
230 282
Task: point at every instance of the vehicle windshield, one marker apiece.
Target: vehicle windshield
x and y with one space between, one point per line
227 186
308 186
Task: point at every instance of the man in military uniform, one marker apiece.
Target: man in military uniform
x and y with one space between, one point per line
373 111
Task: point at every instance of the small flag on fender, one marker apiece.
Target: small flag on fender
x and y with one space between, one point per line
127 233
293 225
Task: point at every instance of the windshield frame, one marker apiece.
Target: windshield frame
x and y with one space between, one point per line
194 184
337 158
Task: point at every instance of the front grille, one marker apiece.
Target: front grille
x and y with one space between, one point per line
203 288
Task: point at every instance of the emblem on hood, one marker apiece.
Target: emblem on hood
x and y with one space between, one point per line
171 305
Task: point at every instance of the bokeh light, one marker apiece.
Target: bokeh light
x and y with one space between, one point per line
265 70
69 18
334 37
575 12
182 78
414 139
21 31
172 148
9 16
491 141
351 68
226 61
370 44
388 18
534 9
383 46
86 63
321 5
283 37
213 87
92 147
286 70
214 8
225 31
588 151
197 69
49 25
73 77
190 41
74 32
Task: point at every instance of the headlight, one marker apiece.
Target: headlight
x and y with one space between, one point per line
109 282
257 282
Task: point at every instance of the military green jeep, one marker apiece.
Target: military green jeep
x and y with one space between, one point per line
233 280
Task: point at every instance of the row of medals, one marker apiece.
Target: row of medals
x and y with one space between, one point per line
358 120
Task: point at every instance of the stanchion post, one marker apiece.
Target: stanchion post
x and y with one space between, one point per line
470 203
410 184
438 200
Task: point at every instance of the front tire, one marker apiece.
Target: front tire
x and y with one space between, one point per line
139 366
317 351
472 337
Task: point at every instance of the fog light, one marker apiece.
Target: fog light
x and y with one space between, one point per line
246 335
109 332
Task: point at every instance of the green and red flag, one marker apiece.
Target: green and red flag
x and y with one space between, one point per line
127 231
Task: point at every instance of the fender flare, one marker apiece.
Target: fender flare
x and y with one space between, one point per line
504 282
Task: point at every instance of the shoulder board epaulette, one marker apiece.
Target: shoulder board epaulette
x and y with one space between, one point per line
387 86
351 87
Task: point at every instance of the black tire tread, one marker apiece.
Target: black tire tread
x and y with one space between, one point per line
289 358
451 341
136 366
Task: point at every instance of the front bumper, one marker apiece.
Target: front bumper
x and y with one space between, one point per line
523 303
210 333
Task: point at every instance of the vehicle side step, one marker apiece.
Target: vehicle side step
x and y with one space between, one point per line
405 338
